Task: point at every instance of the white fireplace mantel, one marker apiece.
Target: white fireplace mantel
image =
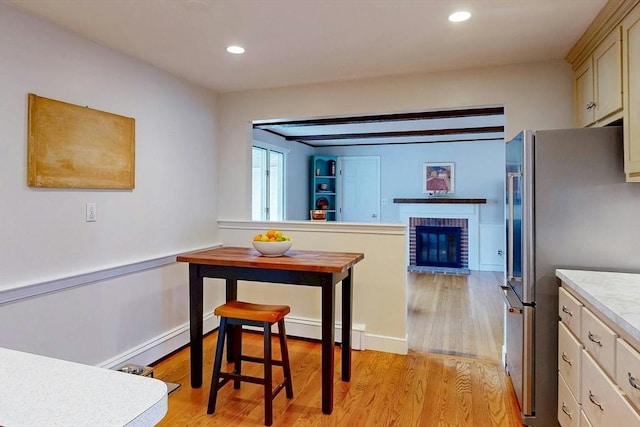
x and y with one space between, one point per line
470 212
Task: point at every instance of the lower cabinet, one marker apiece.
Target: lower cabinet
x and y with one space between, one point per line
628 371
568 407
602 401
598 372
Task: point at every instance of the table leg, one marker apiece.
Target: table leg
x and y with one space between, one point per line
347 322
195 325
231 294
328 342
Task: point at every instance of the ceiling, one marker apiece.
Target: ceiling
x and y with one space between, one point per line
296 42
293 42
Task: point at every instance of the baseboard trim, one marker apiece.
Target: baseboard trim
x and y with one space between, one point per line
312 329
159 346
164 344
388 344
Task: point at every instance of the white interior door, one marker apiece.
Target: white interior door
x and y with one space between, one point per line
359 189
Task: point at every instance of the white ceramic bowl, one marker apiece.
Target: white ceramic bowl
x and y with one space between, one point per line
272 249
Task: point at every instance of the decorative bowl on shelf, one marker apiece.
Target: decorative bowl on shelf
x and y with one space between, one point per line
322 203
272 249
318 215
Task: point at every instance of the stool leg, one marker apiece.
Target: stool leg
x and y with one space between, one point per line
268 386
237 353
285 359
217 365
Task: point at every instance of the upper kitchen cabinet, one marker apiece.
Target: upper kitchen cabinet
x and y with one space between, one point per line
606 64
631 81
598 84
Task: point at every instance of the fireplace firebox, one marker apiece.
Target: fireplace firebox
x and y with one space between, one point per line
438 246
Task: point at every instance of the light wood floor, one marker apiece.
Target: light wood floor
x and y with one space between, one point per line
459 382
456 315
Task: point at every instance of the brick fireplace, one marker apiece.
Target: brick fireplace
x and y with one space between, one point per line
444 212
461 223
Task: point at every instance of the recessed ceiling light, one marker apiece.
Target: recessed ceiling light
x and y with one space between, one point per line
235 49
460 16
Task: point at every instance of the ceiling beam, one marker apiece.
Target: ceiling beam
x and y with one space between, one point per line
378 144
396 134
397 117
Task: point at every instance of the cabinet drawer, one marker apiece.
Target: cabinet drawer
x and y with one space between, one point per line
569 310
569 349
602 401
628 371
599 341
568 408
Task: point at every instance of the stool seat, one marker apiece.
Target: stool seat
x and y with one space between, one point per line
233 316
249 311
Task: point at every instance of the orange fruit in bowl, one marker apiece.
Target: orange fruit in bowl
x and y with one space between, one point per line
271 235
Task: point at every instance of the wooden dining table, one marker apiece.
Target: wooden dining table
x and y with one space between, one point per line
302 268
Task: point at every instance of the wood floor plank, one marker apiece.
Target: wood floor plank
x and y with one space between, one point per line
452 375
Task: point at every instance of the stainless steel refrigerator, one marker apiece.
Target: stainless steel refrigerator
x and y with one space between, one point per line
567 206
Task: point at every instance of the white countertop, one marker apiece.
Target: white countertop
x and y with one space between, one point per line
43 391
615 295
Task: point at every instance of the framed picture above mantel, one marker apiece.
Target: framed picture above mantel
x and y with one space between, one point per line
438 178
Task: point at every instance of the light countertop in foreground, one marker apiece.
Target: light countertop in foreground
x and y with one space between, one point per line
615 295
43 391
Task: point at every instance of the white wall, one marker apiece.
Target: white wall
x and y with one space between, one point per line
478 172
45 241
535 96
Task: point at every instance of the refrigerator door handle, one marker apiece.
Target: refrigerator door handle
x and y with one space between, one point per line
511 176
511 301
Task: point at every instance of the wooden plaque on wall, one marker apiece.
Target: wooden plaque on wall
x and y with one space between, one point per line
70 146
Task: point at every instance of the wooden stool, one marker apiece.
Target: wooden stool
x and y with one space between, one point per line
238 313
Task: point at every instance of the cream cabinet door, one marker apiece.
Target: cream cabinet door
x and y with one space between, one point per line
568 407
569 354
599 340
583 81
602 401
607 67
628 371
631 76
569 311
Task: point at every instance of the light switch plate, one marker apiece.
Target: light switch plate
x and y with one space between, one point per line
91 212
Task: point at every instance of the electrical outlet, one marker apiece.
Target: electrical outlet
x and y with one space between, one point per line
91 212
